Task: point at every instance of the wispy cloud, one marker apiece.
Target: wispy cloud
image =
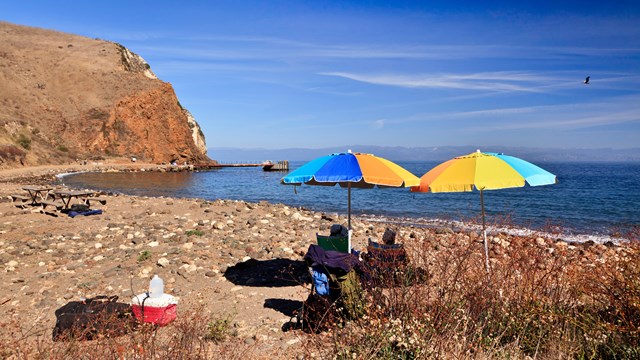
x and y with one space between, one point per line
623 109
494 81
264 47
567 116
565 122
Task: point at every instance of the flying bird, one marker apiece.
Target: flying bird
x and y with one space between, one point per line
586 81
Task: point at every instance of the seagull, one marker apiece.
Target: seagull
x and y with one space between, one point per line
586 81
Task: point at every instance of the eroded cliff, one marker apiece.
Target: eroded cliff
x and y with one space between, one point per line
65 97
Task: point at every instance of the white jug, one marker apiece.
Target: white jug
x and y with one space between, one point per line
156 287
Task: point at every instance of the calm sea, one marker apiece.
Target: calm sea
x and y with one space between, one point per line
590 198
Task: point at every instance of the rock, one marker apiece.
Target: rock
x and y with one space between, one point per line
218 225
163 262
444 230
561 245
298 217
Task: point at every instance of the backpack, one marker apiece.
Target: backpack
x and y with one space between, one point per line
79 207
350 299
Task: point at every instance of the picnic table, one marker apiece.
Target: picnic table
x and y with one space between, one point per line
37 194
66 196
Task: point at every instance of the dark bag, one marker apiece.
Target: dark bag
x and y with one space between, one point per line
318 314
79 207
100 316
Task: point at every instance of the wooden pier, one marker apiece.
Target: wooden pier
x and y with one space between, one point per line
279 166
266 165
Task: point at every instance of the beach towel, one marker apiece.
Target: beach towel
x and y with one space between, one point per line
334 261
85 213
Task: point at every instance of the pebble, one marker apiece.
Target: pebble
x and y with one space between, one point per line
163 262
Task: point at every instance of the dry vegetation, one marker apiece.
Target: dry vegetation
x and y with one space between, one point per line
537 301
542 299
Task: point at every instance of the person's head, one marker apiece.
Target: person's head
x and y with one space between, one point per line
389 237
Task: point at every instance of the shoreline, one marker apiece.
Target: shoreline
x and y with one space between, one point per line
569 236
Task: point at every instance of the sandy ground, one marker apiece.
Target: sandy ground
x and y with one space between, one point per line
193 244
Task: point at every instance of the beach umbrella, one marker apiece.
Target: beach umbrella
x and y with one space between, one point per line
351 170
483 171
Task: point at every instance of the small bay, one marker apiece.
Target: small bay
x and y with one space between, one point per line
598 199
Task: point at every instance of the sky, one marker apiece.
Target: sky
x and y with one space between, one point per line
314 74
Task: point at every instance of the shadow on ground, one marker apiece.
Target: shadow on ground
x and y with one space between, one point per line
287 307
268 273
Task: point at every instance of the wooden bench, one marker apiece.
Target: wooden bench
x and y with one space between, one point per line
57 205
89 200
23 200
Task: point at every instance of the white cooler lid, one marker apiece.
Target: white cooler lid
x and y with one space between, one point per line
161 301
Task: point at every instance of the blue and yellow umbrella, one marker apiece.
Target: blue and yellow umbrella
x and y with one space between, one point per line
483 171
351 170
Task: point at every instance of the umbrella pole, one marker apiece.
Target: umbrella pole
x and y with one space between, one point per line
484 232
349 217
349 206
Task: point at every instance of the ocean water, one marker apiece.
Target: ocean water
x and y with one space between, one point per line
590 199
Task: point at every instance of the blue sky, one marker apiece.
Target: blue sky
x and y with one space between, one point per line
281 74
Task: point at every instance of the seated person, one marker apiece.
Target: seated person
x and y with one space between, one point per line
338 230
389 237
386 258
338 239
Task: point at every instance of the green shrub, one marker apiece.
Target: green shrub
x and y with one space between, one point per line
218 330
24 141
144 255
194 232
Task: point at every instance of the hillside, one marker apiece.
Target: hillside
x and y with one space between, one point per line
67 98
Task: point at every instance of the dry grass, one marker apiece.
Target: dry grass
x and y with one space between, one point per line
191 336
542 301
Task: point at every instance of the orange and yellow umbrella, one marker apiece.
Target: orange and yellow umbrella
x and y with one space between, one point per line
483 171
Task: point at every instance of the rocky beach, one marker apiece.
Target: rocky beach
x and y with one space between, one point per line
238 260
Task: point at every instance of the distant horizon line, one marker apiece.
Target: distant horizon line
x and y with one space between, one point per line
421 147
433 153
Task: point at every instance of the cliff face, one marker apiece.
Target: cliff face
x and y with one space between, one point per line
65 97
